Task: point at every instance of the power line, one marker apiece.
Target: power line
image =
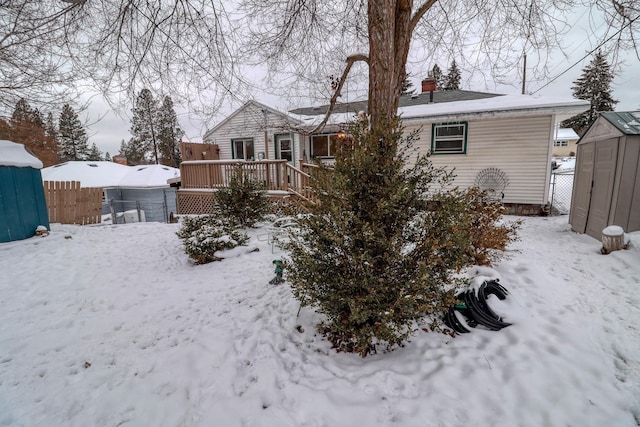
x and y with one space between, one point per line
588 53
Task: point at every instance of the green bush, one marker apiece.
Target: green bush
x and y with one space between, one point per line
204 235
244 201
381 249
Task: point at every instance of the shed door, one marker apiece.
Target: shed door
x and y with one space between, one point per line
582 187
606 155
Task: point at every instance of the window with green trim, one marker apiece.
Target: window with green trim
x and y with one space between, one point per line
449 138
242 148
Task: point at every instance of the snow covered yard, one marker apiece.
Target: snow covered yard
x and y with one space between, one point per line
111 325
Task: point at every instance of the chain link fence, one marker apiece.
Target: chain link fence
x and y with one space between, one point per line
561 190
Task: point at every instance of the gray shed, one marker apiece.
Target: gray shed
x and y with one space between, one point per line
606 187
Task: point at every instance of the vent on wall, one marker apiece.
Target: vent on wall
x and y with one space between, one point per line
493 181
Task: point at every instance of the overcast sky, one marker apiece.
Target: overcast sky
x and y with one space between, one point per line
108 132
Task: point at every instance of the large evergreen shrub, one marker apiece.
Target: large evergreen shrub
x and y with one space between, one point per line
243 201
379 252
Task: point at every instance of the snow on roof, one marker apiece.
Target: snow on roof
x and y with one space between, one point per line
90 174
565 133
497 105
110 174
14 154
149 176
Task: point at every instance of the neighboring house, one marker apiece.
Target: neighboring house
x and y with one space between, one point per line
564 142
507 138
606 188
258 132
142 187
22 202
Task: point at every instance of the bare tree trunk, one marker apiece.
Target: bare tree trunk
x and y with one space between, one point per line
391 26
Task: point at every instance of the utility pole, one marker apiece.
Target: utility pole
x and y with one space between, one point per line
524 74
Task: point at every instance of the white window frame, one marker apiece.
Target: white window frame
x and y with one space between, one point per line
435 139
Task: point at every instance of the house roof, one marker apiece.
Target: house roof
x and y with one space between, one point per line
565 134
14 154
255 104
463 104
405 101
110 174
626 122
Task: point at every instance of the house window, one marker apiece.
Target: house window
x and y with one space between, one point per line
284 147
324 145
242 148
560 143
449 138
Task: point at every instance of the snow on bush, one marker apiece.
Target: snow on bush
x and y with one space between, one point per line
203 236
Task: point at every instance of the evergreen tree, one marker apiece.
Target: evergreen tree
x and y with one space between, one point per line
28 127
594 85
407 86
168 134
144 139
436 73
133 151
107 157
72 135
452 80
380 250
94 154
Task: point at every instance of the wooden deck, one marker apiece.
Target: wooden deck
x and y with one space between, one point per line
200 177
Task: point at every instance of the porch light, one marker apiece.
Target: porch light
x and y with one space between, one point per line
342 135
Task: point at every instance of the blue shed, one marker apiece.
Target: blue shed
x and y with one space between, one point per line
23 206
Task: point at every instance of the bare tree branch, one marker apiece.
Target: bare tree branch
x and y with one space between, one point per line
338 89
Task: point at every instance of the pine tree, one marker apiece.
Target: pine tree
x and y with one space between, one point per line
452 80
133 151
107 157
594 85
72 135
94 154
143 145
436 73
168 134
407 86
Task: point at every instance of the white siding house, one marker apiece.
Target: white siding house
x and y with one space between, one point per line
510 134
257 132
475 132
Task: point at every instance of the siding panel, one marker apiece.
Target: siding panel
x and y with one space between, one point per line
520 147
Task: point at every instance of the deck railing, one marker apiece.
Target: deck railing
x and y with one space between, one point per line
276 175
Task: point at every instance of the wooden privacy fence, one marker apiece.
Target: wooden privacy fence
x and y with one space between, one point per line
68 203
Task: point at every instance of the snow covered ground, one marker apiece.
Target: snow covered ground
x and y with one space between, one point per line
111 325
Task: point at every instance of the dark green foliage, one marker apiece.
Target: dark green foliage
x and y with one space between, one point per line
72 135
369 256
452 80
407 86
380 251
244 201
436 73
204 235
593 85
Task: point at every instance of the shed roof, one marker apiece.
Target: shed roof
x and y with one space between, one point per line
627 122
14 154
565 133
